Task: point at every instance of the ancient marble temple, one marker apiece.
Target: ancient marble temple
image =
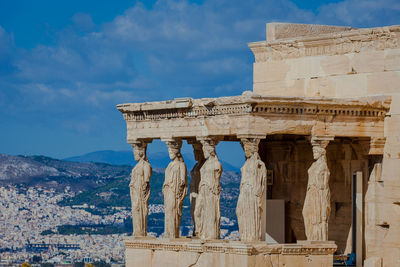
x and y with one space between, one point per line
321 137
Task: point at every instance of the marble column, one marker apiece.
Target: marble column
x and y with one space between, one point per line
207 209
174 189
140 189
317 206
195 178
251 200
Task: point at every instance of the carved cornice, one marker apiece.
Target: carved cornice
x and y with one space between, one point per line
328 44
231 247
321 140
377 146
330 110
259 106
236 109
196 246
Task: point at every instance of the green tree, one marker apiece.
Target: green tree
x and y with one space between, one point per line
36 259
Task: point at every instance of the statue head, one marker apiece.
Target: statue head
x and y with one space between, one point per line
250 146
139 150
174 149
209 148
318 152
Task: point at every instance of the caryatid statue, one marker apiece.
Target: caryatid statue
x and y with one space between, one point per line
317 208
195 179
207 210
174 189
252 188
140 189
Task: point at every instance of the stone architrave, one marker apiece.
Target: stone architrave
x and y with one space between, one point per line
174 189
140 189
207 210
195 179
317 207
252 188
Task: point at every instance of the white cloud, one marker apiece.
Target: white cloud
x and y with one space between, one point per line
174 49
361 13
83 21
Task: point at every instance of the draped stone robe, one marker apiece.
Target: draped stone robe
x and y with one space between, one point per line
207 211
249 206
140 194
316 209
174 190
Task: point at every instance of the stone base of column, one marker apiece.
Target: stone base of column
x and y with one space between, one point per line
185 252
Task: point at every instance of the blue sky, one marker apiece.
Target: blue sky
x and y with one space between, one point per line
64 65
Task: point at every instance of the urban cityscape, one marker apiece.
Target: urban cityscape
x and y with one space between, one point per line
45 232
29 215
200 133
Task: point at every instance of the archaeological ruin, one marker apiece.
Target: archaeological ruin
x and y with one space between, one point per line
321 136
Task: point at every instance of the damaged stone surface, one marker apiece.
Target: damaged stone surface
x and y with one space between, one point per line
310 82
230 117
186 252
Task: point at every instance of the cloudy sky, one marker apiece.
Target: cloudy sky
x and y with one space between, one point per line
64 65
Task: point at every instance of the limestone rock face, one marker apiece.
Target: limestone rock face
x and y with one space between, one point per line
207 210
252 189
140 190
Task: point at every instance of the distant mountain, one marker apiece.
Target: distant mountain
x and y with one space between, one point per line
158 160
106 156
45 171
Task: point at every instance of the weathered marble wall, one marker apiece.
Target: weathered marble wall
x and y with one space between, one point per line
290 159
321 62
201 253
353 63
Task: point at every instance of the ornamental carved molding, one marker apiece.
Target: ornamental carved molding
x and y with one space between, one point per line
232 247
258 106
339 43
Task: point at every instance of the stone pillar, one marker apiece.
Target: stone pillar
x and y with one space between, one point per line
207 209
373 231
317 207
140 188
251 202
195 178
174 189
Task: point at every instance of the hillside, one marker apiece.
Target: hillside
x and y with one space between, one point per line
103 186
158 160
57 174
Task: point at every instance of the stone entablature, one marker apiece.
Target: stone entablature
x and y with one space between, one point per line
349 41
228 246
195 252
231 117
280 30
